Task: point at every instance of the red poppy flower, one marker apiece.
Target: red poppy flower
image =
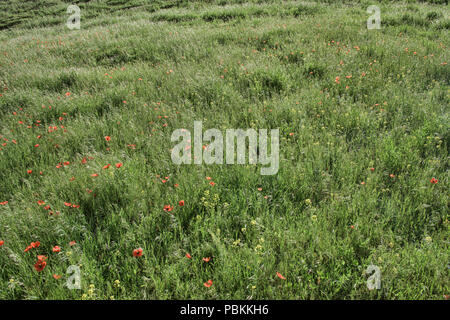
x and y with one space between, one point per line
94 175
67 204
372 169
40 265
206 259
212 183
2 242
434 181
118 165
84 161
107 166
36 145
3 203
208 283
40 202
29 171
107 138
56 276
181 203
208 178
188 256
56 249
35 244
72 243
168 208
41 258
137 252
279 275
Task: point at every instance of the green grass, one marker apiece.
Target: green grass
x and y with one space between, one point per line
138 70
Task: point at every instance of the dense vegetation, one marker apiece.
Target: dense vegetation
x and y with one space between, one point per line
86 118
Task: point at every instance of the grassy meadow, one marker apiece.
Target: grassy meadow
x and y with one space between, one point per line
86 175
